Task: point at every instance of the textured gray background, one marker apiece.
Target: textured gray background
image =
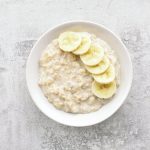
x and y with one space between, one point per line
22 125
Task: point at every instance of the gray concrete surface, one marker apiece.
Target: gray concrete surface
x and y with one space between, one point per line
22 125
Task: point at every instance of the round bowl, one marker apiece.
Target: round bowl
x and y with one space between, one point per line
78 120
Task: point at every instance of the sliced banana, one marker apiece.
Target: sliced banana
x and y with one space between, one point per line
84 46
106 77
99 68
104 90
93 56
69 41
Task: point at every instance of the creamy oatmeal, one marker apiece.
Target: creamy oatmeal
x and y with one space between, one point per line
65 81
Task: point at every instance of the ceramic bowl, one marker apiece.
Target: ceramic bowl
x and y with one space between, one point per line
78 120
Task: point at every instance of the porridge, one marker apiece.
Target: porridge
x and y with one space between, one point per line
74 78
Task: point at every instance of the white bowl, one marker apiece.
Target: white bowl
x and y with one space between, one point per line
78 120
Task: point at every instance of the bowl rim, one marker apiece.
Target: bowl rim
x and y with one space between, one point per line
78 22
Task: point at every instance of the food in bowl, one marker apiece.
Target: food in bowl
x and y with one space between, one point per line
79 72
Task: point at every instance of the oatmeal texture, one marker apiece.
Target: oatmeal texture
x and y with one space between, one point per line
65 81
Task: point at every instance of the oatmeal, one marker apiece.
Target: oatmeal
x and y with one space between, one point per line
65 81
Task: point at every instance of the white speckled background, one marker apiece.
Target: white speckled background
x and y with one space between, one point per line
22 125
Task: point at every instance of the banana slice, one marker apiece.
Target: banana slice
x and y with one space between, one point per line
84 46
69 41
104 90
106 77
99 68
93 56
